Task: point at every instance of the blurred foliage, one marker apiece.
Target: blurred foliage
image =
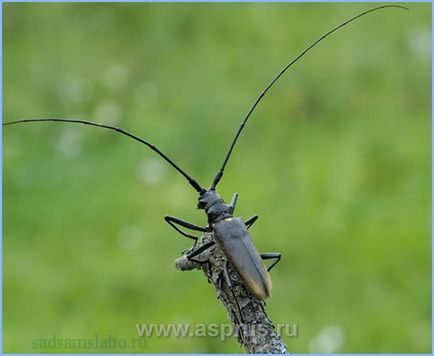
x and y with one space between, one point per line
336 161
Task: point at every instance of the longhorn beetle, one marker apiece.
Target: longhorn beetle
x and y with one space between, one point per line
230 233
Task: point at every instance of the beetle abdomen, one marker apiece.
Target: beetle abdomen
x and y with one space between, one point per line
232 237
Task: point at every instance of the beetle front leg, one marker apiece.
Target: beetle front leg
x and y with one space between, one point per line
271 255
171 220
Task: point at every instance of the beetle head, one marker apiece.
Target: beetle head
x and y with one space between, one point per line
207 198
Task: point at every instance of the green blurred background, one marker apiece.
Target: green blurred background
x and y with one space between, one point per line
336 161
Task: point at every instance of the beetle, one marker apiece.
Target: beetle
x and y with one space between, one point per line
230 233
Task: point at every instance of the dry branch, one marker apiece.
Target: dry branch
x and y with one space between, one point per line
253 329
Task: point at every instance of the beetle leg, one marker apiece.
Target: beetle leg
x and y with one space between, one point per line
233 202
198 251
231 288
171 220
249 222
271 255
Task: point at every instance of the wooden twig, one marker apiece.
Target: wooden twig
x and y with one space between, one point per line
253 329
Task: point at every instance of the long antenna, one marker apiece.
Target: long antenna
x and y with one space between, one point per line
193 183
307 49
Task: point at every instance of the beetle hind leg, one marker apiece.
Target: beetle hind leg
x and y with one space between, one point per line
231 288
271 256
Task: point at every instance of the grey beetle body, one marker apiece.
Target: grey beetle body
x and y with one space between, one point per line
232 237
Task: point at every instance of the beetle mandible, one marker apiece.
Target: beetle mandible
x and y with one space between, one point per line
230 233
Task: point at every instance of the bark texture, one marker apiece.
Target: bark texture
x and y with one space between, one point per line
253 329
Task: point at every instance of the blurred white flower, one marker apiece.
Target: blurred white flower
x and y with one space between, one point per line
327 341
420 43
69 143
108 112
151 170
